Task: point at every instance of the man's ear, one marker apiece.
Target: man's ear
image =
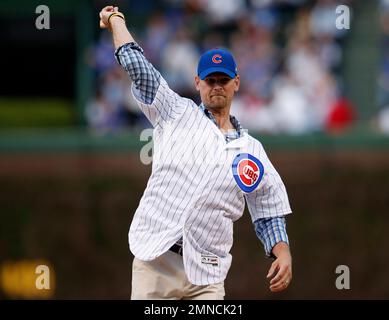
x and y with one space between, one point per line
197 82
237 83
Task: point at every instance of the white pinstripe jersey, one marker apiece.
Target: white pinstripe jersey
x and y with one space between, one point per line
192 192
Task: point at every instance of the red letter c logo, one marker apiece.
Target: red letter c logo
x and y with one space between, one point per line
217 58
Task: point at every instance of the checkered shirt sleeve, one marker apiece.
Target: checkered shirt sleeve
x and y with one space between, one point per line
145 77
271 231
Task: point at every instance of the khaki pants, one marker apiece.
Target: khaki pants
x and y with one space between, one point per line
165 278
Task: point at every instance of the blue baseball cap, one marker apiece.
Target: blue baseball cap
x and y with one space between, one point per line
217 60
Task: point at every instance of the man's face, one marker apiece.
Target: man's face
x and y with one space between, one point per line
217 90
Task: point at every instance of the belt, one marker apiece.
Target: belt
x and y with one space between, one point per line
176 248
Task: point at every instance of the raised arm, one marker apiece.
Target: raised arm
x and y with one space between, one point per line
130 56
154 97
112 19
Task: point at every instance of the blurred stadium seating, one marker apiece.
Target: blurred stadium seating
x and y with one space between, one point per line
300 74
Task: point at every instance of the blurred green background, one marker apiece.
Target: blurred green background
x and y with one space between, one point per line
69 186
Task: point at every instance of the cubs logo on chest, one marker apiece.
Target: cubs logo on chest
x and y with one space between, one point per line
247 171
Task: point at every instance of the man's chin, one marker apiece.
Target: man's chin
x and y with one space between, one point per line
217 106
218 103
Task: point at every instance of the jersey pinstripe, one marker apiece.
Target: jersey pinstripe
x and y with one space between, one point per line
192 193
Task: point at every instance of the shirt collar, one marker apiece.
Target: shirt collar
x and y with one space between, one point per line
235 122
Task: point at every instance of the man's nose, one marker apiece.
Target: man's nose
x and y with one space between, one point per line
219 83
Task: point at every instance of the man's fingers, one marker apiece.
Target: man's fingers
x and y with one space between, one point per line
272 269
104 14
281 284
280 275
116 9
108 8
278 288
278 282
283 275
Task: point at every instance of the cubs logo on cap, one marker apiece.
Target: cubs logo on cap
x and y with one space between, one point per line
248 171
217 58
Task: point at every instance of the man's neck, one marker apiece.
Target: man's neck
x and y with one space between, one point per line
222 117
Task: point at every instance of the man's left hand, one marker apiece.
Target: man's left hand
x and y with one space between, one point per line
280 272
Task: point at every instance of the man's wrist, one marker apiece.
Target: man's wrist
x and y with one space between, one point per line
280 248
115 19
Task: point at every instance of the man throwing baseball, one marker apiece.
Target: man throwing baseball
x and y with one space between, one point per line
205 168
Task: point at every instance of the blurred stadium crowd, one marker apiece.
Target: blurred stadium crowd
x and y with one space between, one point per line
289 56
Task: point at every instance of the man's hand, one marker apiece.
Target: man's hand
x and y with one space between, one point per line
104 15
116 25
280 272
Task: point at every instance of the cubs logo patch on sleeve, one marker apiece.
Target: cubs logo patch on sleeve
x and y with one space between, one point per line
247 171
